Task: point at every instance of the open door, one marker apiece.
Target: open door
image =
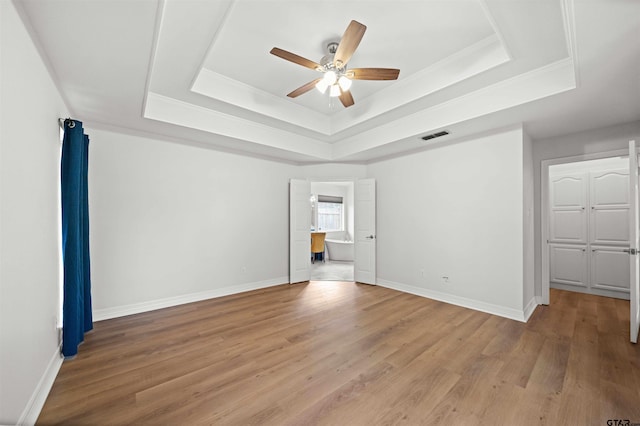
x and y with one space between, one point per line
634 243
299 231
365 231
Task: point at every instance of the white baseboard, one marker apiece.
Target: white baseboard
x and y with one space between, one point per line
477 305
531 306
152 305
39 396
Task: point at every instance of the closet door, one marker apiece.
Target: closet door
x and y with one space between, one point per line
610 269
568 230
568 219
609 230
568 265
609 198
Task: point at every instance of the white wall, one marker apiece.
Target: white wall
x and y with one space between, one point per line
455 211
172 223
29 250
332 172
593 141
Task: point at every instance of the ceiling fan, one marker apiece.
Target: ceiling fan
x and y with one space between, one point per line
337 77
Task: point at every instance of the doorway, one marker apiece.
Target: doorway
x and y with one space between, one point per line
595 237
332 214
363 234
589 227
585 216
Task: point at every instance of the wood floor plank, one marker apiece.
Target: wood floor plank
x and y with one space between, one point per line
522 359
345 353
507 395
618 402
480 385
608 320
613 367
336 407
412 392
526 407
548 372
473 345
506 336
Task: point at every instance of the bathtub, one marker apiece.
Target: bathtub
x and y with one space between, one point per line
339 250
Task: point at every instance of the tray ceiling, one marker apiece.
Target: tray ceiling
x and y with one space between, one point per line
200 71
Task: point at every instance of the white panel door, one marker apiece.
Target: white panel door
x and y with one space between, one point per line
365 231
568 265
568 220
634 243
609 199
299 231
609 269
610 226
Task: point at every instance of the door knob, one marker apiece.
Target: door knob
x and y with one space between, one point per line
370 237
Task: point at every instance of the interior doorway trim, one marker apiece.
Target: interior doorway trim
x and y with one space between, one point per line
544 207
314 179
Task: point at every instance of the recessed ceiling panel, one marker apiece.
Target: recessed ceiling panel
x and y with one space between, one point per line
410 36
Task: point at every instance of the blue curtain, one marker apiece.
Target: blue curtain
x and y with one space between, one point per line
76 309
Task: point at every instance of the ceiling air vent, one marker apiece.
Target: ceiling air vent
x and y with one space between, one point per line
435 135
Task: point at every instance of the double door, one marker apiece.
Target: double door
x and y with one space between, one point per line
365 231
589 231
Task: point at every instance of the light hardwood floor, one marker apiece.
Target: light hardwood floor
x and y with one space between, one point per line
350 354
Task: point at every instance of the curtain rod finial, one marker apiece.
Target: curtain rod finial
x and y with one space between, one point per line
61 121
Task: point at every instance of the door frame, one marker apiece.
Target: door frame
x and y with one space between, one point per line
633 243
544 208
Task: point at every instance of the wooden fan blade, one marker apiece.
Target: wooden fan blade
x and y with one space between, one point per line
304 89
346 98
349 43
292 57
373 73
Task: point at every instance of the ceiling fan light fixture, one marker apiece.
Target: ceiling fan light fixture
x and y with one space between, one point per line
330 77
334 67
322 86
344 83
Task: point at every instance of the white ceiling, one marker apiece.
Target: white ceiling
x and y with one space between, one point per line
200 72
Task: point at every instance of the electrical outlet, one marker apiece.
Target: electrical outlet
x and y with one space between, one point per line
445 279
243 269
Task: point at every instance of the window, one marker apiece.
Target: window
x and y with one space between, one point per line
329 213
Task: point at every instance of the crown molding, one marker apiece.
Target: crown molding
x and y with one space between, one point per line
541 82
173 111
229 90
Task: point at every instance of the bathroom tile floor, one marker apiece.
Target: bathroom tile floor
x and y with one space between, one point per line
331 270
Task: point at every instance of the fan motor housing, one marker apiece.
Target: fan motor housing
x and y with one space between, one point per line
327 60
